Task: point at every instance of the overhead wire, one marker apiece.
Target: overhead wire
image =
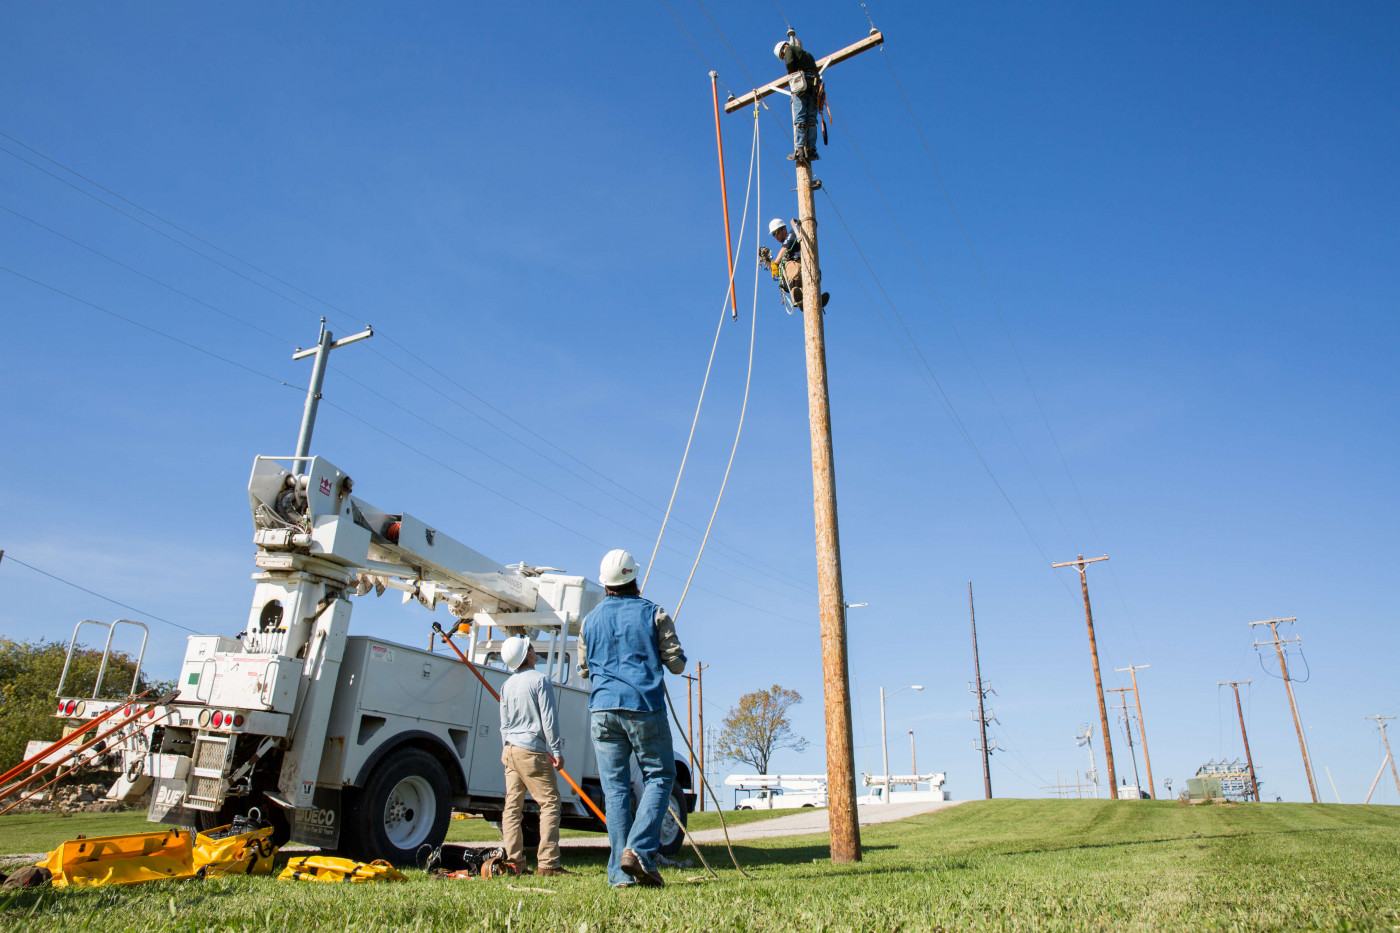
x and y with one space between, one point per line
11 558
805 586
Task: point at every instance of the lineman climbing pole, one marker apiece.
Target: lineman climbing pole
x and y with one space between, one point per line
840 749
1098 680
1278 644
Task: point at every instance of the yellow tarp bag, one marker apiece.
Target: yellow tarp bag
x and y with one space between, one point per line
127 859
247 853
332 868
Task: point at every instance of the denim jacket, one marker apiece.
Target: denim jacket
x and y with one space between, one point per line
624 642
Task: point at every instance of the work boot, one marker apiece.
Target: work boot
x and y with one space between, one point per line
632 864
797 298
811 153
557 870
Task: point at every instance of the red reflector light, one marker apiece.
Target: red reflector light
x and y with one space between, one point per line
60 709
238 720
69 707
218 720
151 713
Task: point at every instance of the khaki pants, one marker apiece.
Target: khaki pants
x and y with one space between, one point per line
527 770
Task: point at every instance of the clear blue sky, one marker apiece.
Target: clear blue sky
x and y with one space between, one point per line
1186 215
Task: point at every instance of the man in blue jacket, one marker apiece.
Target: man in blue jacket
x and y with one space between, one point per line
623 645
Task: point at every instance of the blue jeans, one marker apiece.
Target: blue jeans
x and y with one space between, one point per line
804 120
618 735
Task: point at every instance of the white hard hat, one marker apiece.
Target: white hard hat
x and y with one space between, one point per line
776 224
778 49
619 569
514 650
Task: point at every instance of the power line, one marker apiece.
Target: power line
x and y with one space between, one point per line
416 376
9 557
146 327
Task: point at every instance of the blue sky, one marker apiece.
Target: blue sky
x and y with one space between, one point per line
1185 215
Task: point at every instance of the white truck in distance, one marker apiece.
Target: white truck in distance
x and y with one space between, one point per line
355 743
779 791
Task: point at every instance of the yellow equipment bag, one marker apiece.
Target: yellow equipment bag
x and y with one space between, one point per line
221 852
332 868
127 859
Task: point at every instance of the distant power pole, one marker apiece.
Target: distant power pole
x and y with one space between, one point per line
1128 728
1098 681
913 759
1278 644
690 722
1253 780
700 708
981 692
1142 726
1381 721
831 601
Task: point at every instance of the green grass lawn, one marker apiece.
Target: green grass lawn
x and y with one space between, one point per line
1000 865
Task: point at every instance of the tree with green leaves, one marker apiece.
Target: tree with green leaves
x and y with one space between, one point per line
759 726
29 673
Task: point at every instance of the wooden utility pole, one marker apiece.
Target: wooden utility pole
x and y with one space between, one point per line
913 759
1128 728
690 722
1381 721
1278 644
836 684
1249 759
1142 726
981 692
1098 681
700 707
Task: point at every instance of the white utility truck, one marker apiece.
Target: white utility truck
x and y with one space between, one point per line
355 743
778 791
932 788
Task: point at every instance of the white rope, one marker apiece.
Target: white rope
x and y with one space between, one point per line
738 250
743 410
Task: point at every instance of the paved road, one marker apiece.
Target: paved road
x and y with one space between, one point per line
801 823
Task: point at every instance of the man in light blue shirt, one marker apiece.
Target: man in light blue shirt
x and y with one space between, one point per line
533 749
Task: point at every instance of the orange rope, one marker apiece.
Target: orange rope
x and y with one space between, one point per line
463 658
724 195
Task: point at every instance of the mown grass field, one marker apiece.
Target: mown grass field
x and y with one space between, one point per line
1001 865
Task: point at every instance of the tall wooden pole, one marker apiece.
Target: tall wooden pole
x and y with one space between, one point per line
831 600
690 724
1381 721
700 707
1249 759
1098 680
981 698
1288 686
1142 726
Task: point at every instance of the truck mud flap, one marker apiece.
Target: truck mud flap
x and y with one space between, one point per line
168 803
319 824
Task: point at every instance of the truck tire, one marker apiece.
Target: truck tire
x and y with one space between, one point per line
405 804
672 836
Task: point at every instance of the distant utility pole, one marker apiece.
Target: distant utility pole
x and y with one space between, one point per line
1278 644
1142 726
1381 721
913 759
690 724
1098 681
1253 780
1128 728
836 681
981 690
325 343
700 707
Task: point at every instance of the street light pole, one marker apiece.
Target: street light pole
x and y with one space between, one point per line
884 738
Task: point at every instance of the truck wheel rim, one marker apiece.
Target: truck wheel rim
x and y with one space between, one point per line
670 829
409 812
